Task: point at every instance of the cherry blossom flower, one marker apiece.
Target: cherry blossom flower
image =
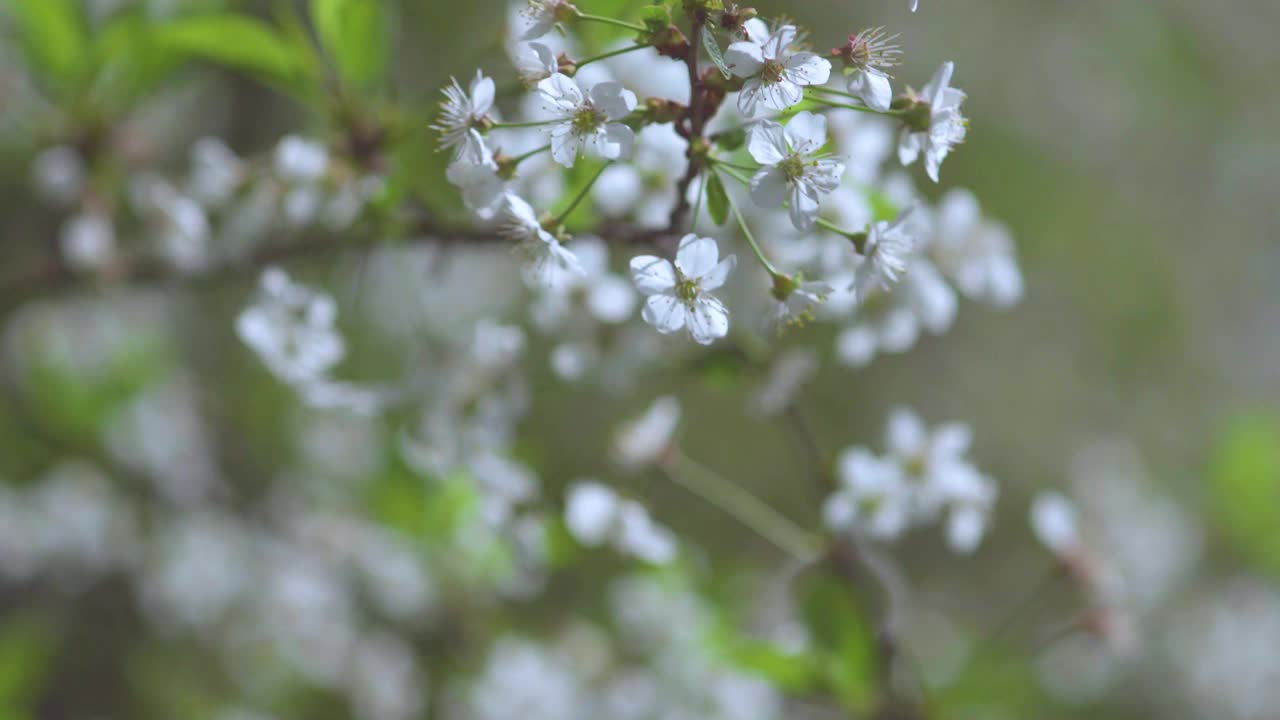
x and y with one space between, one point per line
866 56
549 263
646 439
463 112
596 515
872 497
975 253
794 169
292 328
886 255
588 121
1054 522
679 296
535 62
775 74
542 15
945 128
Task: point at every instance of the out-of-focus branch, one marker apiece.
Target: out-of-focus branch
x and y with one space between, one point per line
54 279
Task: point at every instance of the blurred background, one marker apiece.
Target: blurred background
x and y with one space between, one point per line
147 458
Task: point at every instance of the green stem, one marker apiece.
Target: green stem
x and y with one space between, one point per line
743 506
582 194
828 225
859 108
697 208
583 63
751 239
610 21
521 158
735 166
509 126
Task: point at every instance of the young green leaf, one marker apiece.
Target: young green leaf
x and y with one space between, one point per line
354 34
54 38
712 46
234 40
717 199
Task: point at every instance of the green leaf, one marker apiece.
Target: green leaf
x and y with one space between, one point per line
234 40
354 34
27 644
717 199
54 37
843 637
1246 489
130 63
712 46
730 140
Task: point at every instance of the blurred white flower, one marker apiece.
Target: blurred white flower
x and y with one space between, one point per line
88 240
946 128
645 440
596 515
300 160
462 112
1054 521
292 329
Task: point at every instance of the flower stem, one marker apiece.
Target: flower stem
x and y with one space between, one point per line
742 505
697 208
507 126
848 106
746 231
521 158
828 225
583 63
610 21
582 194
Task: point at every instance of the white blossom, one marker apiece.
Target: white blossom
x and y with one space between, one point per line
587 121
549 264
886 254
946 129
975 253
866 56
596 515
300 160
794 169
679 296
292 328
775 75
462 113
535 62
87 240
542 15
646 439
1053 519
872 497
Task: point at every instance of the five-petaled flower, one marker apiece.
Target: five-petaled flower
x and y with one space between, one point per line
795 171
462 115
589 120
550 263
944 128
680 295
885 257
775 74
866 56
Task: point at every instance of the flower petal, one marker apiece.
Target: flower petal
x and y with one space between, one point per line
744 59
664 312
806 132
718 274
696 256
615 100
806 68
767 142
708 320
652 274
769 188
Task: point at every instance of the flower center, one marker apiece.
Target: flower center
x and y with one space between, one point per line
772 71
793 167
586 120
687 290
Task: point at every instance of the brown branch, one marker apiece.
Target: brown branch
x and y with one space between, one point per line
55 278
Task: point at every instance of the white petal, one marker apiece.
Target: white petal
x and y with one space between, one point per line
744 59
939 82
806 133
652 275
749 96
804 206
767 142
782 94
775 47
482 91
708 321
565 147
906 434
769 188
590 510
616 101
718 274
664 312
696 256
562 91
616 141
873 87
806 68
